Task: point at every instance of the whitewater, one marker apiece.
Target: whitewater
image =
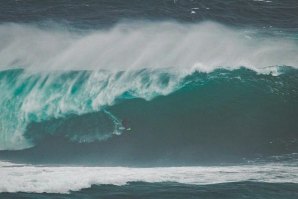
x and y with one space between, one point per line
64 179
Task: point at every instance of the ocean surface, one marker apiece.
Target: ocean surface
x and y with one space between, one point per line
149 99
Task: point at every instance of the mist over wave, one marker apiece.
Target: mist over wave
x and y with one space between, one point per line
134 45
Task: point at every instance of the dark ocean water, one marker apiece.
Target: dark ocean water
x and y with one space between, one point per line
176 190
262 14
149 99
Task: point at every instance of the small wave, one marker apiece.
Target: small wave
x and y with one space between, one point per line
45 179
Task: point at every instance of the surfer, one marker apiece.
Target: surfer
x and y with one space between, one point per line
125 124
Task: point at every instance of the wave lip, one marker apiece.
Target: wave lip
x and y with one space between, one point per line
36 97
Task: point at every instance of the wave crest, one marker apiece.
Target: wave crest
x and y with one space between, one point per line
37 97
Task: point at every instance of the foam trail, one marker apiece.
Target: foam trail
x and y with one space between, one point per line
204 46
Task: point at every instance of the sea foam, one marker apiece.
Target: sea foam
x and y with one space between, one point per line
51 179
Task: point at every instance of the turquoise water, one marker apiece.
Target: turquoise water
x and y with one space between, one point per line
220 114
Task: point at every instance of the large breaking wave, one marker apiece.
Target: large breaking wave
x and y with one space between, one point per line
85 106
28 97
53 79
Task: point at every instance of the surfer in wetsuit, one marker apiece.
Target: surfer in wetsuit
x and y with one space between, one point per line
125 124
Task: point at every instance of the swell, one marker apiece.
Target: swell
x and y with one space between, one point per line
207 116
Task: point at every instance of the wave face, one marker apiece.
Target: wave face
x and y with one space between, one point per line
236 112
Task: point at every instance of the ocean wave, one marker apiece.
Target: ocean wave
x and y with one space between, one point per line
54 72
88 106
36 97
